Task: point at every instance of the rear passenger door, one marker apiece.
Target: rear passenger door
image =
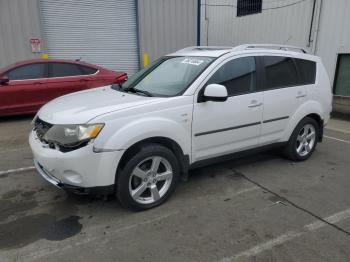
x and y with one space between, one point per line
66 78
283 94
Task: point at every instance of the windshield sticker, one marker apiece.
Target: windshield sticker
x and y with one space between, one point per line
192 61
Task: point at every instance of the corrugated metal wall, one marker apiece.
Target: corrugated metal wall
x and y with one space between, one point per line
281 21
166 26
19 22
102 33
334 33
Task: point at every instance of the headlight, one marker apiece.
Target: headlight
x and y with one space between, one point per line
72 135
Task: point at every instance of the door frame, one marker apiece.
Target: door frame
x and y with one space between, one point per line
200 90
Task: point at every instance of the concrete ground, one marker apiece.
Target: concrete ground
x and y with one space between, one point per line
257 208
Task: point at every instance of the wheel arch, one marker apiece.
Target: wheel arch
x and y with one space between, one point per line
184 159
320 122
311 109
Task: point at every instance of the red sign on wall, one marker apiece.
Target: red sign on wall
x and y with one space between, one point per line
35 44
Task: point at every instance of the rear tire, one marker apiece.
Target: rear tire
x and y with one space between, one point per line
303 140
148 178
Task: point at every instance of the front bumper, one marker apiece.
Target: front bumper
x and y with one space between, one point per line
81 170
101 190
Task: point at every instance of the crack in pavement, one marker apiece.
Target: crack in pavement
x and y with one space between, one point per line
286 200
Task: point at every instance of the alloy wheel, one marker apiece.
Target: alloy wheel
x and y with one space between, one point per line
150 180
306 140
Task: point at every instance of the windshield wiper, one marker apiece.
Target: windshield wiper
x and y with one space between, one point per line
139 91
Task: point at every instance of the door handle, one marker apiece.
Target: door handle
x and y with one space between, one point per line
39 83
255 103
300 94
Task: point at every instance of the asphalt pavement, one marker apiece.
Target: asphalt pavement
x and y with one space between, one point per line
257 208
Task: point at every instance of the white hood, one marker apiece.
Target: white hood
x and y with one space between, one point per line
80 107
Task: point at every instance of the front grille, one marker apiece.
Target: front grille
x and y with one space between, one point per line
41 127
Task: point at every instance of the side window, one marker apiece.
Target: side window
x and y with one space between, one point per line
280 72
238 75
307 70
32 71
87 70
64 69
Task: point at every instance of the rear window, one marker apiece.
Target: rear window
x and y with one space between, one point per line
307 70
88 70
66 69
280 72
63 69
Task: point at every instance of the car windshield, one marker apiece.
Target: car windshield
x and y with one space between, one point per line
167 76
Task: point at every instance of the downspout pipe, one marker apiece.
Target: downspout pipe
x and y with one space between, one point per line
314 46
312 23
199 23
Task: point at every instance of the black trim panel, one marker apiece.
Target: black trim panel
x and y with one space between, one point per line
99 190
275 119
239 154
226 129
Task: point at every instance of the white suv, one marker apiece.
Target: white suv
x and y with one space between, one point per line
184 110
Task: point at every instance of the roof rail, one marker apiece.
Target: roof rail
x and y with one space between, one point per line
207 48
270 46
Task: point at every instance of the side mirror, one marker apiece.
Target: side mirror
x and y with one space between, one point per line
4 80
215 92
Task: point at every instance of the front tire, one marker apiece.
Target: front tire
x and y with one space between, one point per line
303 140
148 178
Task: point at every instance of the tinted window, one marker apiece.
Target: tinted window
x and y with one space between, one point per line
307 70
239 76
280 72
88 70
64 69
32 71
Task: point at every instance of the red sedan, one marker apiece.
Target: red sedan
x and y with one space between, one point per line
26 86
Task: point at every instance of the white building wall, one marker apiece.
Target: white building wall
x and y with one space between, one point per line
334 33
281 21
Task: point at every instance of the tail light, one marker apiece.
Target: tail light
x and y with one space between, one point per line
121 79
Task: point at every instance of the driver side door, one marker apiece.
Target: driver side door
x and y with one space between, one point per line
221 128
25 91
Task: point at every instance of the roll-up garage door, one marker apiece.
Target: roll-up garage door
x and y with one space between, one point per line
99 32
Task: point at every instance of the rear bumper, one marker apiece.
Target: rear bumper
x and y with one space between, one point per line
100 190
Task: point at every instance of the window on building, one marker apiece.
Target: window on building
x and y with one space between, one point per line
32 71
280 72
248 7
307 70
342 77
238 75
